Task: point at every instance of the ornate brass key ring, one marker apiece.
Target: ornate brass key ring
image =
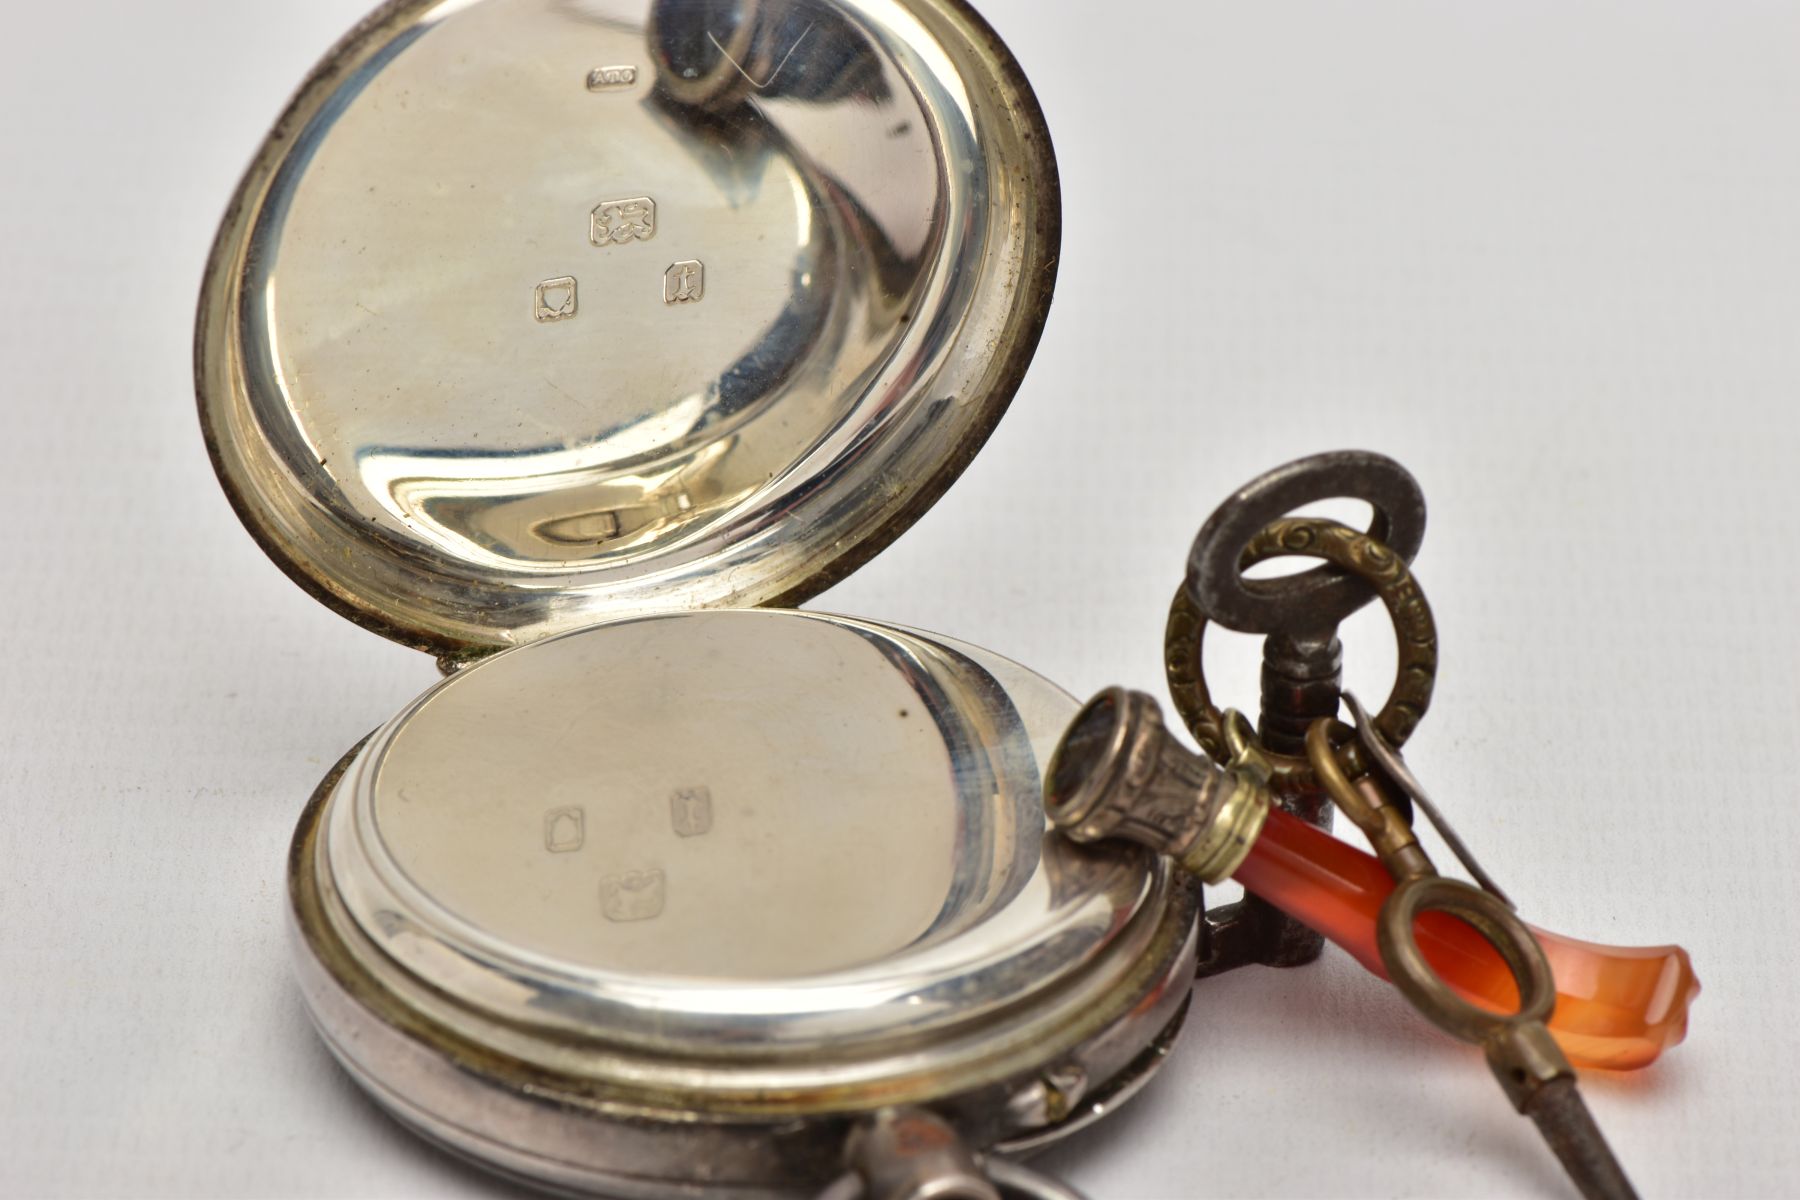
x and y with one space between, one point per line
1488 979
1336 760
1363 556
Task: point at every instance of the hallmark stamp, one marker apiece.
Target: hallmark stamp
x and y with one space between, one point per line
691 811
554 299
611 79
633 896
684 283
565 830
615 222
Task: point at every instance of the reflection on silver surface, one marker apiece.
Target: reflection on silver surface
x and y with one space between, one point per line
723 832
557 309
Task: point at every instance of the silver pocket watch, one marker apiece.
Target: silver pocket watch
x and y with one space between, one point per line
574 342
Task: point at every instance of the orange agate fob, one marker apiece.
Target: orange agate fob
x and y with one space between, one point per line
1617 1007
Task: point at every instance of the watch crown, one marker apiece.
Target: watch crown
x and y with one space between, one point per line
1118 772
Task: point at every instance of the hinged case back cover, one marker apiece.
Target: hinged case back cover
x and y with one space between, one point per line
532 313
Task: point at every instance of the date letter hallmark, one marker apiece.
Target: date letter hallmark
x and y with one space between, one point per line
633 896
691 811
684 283
616 222
611 79
565 830
554 299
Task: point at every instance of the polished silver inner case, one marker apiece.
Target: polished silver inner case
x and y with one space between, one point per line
720 882
558 310
724 833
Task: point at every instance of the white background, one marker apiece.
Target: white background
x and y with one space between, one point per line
1544 253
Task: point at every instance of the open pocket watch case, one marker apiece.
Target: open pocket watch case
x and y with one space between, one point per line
572 341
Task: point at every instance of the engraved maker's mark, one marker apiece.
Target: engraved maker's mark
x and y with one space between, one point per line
754 82
554 299
691 811
611 79
616 222
565 829
633 896
684 282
